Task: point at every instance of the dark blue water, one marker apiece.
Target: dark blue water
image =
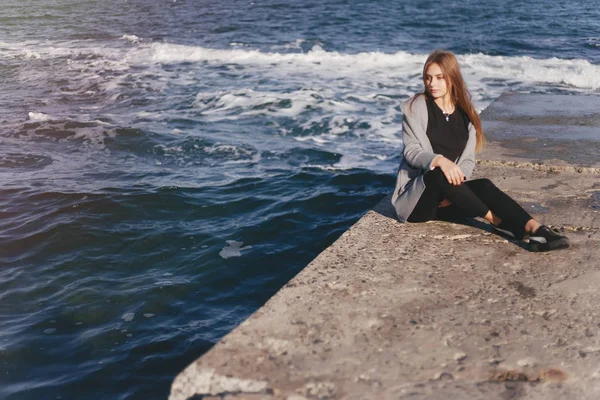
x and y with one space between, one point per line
166 166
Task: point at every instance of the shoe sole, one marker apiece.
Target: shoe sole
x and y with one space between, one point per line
503 232
553 245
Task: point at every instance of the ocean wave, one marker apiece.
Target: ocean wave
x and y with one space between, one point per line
191 151
24 160
131 38
34 116
328 80
344 103
402 65
579 73
317 57
249 102
92 134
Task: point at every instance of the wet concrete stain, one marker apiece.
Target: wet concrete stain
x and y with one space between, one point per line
513 391
534 207
596 200
551 186
524 291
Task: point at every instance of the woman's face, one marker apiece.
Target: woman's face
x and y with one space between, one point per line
435 83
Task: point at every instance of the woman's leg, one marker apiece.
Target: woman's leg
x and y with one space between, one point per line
516 219
464 202
511 214
426 208
481 198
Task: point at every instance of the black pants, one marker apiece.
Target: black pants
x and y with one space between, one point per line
471 199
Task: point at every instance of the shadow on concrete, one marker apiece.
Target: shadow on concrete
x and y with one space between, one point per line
385 208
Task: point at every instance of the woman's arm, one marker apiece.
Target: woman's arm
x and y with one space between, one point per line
451 170
467 163
413 151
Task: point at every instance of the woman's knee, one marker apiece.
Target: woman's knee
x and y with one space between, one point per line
434 177
482 184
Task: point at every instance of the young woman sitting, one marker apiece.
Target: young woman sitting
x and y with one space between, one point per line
441 131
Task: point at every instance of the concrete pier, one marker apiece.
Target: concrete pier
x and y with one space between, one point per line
442 310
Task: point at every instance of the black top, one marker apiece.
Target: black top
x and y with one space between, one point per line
447 137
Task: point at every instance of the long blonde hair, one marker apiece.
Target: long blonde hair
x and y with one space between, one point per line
460 94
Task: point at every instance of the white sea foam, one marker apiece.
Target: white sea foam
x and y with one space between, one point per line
233 249
128 317
249 102
169 150
34 116
368 76
296 45
401 63
347 104
232 150
131 38
359 95
400 69
315 62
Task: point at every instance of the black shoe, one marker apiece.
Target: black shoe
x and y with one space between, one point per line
546 239
504 230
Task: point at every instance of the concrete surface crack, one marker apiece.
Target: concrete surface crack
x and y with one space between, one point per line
573 228
195 382
540 167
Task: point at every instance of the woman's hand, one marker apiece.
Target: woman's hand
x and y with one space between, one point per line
451 171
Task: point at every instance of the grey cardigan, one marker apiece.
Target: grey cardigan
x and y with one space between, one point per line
419 155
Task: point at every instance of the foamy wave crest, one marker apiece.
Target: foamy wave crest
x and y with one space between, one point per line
316 58
320 117
131 38
346 104
249 102
48 50
575 73
89 135
19 51
349 104
400 67
33 116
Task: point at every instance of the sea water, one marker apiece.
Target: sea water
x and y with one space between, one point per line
167 165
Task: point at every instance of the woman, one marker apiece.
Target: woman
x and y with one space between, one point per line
441 131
